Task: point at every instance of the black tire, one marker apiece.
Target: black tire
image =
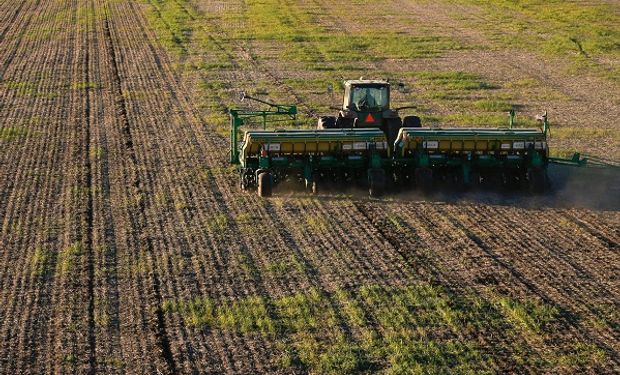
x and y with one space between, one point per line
376 181
392 127
264 184
326 122
245 179
424 179
537 178
412 122
344 122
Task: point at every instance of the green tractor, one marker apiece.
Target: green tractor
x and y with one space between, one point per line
369 143
366 104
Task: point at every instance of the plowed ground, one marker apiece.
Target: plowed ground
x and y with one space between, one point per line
126 247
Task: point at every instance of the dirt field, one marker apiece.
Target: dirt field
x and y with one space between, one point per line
126 246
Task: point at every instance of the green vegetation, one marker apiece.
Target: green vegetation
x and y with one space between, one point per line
172 23
218 223
28 89
414 329
584 132
85 85
9 134
295 26
68 259
529 316
70 359
453 81
41 262
317 224
296 50
584 32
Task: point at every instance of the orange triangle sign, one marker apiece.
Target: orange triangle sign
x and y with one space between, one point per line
369 118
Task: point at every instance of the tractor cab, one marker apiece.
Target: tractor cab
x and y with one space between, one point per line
366 104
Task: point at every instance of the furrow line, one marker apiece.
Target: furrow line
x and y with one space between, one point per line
162 337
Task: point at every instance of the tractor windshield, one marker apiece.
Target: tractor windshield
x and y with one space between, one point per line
366 98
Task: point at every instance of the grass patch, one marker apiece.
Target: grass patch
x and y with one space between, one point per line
172 23
414 329
317 224
584 33
278 268
492 105
218 223
566 132
68 259
530 316
12 133
582 355
484 120
452 80
41 262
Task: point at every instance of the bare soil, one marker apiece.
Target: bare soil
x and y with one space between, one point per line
116 197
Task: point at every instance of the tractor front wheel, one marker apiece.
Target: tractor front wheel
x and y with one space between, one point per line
264 184
246 180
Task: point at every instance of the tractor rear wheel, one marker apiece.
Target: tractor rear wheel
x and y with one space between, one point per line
344 122
376 180
424 179
264 184
326 122
392 127
412 122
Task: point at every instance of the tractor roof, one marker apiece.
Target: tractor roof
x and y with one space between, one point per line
366 82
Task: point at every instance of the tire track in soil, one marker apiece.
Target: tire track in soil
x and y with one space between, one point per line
92 341
575 292
456 284
250 58
608 237
70 337
161 66
106 293
161 335
572 303
545 291
420 267
226 187
277 219
20 39
12 17
413 268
